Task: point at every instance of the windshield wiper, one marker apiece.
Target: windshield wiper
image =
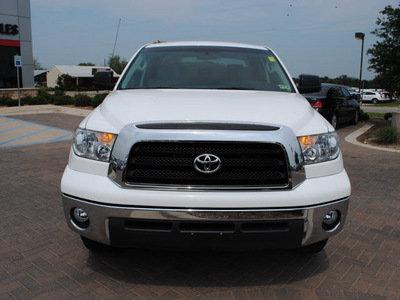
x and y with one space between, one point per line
237 88
158 87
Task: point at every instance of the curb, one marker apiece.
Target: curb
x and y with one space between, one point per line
40 109
352 139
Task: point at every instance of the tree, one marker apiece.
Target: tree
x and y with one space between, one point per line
87 64
385 54
115 63
36 64
65 82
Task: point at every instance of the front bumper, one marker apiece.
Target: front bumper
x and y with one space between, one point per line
130 226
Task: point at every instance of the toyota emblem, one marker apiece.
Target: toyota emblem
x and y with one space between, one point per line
207 163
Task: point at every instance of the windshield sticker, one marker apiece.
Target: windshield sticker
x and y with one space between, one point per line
283 87
271 58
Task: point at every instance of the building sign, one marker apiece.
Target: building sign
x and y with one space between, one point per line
16 39
9 29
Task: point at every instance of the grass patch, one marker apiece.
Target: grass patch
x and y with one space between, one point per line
390 104
387 135
370 136
377 115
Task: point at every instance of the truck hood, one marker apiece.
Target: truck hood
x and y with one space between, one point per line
278 108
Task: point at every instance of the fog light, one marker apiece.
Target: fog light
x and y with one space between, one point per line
331 220
80 215
331 217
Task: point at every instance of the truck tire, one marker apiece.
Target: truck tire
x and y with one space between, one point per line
315 248
95 246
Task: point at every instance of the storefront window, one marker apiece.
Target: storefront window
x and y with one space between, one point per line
8 73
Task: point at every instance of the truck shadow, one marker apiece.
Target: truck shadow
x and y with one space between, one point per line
212 269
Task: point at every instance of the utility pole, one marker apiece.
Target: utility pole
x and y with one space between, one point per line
360 36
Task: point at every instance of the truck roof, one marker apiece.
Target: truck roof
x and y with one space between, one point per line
206 43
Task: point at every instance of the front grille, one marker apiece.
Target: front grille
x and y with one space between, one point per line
172 163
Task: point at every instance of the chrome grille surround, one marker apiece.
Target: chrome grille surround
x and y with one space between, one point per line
134 133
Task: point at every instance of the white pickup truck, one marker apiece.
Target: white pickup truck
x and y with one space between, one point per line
204 145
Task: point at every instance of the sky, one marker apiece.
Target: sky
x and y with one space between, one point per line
310 36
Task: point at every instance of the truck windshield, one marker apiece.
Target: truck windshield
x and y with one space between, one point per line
206 68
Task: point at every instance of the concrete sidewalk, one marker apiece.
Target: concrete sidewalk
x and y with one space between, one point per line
378 109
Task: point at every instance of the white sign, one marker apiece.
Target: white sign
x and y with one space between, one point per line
17 61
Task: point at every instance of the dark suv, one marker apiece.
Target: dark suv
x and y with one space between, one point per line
335 103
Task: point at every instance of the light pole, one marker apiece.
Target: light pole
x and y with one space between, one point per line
360 36
116 37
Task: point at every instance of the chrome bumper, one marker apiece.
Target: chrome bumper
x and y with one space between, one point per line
310 218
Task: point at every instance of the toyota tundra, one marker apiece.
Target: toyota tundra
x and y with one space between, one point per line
205 145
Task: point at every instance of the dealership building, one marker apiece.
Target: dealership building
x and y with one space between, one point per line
15 40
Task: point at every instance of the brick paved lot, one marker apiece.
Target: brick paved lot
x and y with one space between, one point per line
41 258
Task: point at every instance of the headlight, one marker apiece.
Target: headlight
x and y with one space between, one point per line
92 144
320 148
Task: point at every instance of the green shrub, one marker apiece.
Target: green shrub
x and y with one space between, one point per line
26 100
83 100
4 100
388 116
35 100
58 92
42 92
51 99
85 88
63 100
13 102
65 82
387 135
364 116
98 98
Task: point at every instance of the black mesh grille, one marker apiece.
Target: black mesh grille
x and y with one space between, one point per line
172 163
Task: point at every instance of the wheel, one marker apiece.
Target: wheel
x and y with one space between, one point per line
334 120
374 101
314 248
95 246
356 117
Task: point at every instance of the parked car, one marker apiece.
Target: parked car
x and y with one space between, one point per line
336 104
387 96
39 84
374 97
352 92
204 145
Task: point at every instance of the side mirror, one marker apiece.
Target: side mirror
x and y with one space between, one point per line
309 84
104 80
